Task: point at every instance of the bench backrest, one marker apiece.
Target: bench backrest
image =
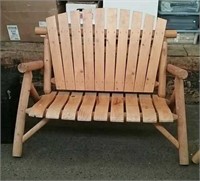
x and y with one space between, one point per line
105 55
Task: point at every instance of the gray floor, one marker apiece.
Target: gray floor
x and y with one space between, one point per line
102 151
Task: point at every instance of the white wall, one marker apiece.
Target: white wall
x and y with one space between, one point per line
146 6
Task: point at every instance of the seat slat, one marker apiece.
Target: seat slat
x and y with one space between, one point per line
99 49
77 50
54 110
102 106
55 52
155 55
88 49
148 111
38 109
70 110
164 113
122 49
117 108
133 51
144 53
110 49
86 109
66 51
132 108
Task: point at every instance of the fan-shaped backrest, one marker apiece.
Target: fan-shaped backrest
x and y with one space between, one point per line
98 51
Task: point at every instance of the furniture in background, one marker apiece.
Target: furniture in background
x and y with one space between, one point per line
182 16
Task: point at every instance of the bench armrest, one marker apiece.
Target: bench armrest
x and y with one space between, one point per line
177 72
30 66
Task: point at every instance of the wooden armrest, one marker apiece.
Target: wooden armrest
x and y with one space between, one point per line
176 71
29 66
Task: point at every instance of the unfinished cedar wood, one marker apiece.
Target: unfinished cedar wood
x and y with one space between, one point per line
123 68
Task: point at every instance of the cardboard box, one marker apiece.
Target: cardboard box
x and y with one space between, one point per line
19 18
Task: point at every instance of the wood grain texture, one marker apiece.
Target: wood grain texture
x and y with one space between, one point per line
122 49
70 110
132 108
117 108
111 16
99 49
77 50
66 51
38 109
21 114
86 109
181 122
162 109
148 111
88 49
102 106
162 77
34 129
54 110
47 66
171 138
155 55
133 51
55 52
144 53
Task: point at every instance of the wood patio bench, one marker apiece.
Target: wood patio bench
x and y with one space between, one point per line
104 71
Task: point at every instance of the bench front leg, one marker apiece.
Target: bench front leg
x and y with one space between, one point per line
21 114
181 122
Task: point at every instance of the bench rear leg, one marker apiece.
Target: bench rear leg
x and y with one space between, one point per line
21 114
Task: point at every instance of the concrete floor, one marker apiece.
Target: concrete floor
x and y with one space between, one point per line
70 151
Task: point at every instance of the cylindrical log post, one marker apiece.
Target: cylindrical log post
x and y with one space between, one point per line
33 130
20 120
29 66
181 122
196 157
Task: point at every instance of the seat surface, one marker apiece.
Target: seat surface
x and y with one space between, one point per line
113 107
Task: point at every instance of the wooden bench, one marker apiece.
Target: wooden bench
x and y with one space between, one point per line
104 72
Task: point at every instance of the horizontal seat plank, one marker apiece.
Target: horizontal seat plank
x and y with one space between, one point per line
113 107
163 111
38 109
148 111
86 108
70 110
55 108
102 106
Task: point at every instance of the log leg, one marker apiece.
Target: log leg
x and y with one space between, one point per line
20 120
196 157
181 122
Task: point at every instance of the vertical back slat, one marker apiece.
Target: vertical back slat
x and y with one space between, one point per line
99 48
155 55
133 51
111 16
122 49
162 79
77 50
66 51
55 52
48 66
144 53
88 49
